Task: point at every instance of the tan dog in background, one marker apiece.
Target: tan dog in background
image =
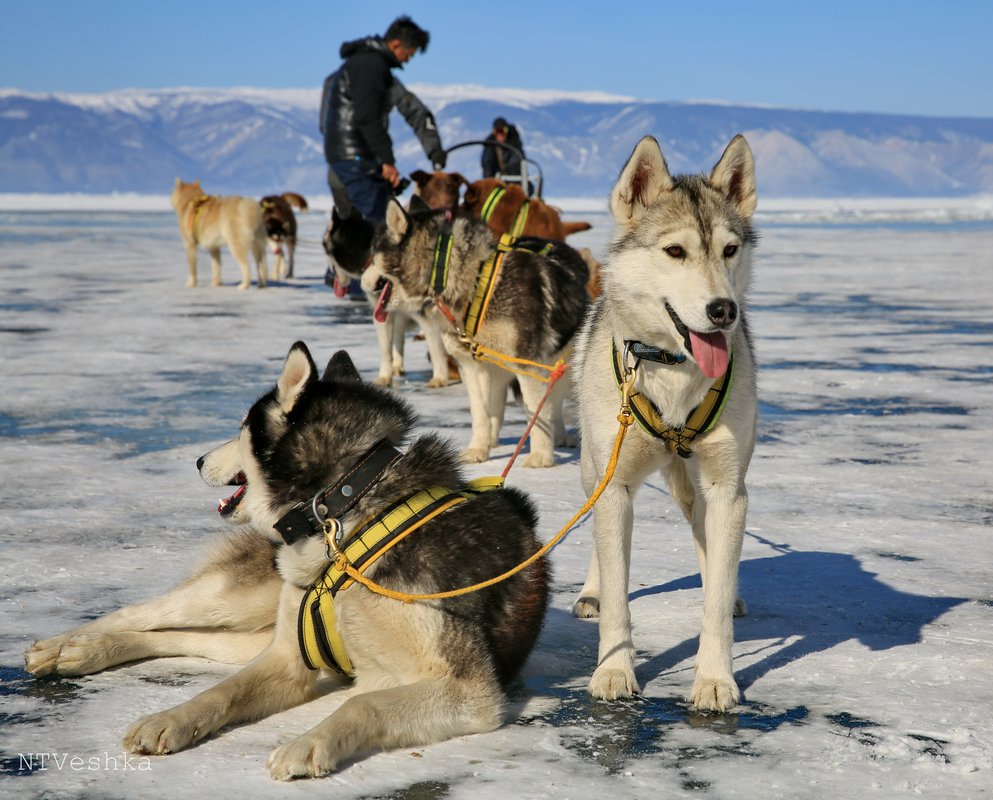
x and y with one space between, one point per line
210 222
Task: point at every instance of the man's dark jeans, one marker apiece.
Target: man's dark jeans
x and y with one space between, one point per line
367 190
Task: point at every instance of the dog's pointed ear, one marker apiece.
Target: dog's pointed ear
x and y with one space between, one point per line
734 175
340 368
397 220
298 372
644 177
420 177
418 204
458 178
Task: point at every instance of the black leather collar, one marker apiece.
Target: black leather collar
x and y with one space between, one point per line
647 352
333 502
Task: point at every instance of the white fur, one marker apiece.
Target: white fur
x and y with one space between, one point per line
709 486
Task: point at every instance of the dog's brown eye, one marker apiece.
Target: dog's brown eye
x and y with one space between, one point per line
730 250
675 251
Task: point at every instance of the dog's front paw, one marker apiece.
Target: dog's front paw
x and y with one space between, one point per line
191 283
383 380
475 455
78 654
715 694
612 683
586 607
243 286
42 658
166 732
539 460
438 383
306 756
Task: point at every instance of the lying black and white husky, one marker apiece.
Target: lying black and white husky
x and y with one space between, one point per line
525 300
325 462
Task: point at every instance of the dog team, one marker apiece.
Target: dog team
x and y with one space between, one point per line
362 557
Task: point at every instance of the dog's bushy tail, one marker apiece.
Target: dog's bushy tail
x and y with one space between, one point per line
575 227
296 200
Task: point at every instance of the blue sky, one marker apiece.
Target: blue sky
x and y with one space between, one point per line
893 56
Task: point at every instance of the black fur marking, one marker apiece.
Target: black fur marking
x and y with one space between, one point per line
348 241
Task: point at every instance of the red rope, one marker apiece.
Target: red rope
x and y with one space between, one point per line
557 373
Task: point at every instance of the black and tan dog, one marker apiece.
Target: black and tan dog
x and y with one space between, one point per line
281 228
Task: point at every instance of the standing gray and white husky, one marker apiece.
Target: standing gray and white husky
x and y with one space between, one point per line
313 450
672 319
534 309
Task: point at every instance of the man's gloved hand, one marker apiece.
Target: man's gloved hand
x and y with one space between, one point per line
438 159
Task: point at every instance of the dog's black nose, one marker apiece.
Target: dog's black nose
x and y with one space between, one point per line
722 312
200 463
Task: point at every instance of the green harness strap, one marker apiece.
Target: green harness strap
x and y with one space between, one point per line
321 644
442 257
492 201
520 218
701 420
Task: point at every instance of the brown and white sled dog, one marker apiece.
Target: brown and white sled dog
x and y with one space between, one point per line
534 306
348 246
311 450
672 309
211 222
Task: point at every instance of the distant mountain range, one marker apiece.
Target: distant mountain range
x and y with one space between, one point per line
258 141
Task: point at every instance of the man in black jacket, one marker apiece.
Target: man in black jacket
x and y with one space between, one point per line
355 110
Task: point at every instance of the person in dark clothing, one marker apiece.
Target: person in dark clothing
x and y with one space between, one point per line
499 160
355 109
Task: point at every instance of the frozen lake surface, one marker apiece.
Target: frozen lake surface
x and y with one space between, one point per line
867 566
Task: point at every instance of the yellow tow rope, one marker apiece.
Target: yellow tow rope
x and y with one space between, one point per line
341 562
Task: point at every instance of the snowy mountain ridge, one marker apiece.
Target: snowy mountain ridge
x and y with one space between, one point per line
253 141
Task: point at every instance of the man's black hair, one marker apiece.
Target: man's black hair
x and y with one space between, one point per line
409 33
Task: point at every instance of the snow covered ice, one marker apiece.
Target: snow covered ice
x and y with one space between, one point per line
867 565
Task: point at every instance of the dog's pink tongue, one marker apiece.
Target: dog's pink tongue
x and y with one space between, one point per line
384 297
339 287
711 352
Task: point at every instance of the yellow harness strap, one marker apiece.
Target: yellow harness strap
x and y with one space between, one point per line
489 206
486 280
199 206
520 220
320 642
702 419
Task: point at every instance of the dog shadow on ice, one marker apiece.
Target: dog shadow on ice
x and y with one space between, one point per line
805 602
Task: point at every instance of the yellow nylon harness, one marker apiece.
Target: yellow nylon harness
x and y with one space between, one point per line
520 218
199 206
492 201
320 641
702 419
487 278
